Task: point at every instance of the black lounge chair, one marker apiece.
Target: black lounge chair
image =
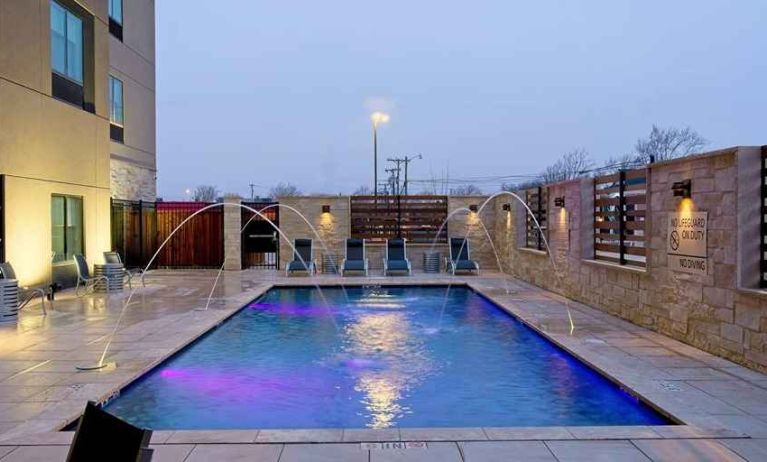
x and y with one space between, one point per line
302 258
26 293
102 436
396 260
356 258
460 257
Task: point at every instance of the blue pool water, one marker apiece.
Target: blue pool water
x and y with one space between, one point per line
377 359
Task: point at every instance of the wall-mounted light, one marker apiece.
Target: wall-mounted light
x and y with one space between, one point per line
682 188
474 208
559 201
325 209
507 207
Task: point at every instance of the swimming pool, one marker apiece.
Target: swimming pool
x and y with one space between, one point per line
375 357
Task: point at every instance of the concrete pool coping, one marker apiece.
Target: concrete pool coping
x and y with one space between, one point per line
600 340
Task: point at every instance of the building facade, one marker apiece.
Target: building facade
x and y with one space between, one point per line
77 127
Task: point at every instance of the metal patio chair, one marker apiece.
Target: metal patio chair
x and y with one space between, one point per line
84 277
26 293
114 257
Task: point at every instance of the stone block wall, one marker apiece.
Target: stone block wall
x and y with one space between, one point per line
232 234
721 312
129 181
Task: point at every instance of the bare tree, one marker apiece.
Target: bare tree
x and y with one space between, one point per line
624 162
466 190
284 190
362 191
669 143
205 193
572 165
513 187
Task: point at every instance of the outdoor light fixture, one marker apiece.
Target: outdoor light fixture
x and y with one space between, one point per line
682 189
507 207
559 201
474 208
325 209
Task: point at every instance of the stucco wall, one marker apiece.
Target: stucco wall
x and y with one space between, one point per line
708 311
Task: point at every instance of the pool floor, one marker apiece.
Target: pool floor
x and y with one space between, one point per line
375 358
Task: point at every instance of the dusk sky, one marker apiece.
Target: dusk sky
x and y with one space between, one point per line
260 92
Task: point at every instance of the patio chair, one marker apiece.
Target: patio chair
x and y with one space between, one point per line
460 256
26 293
396 260
114 257
356 258
103 436
84 277
302 258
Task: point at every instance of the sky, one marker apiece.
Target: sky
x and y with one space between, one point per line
262 92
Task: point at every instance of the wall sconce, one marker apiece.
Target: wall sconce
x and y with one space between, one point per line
559 201
325 209
507 207
474 208
682 189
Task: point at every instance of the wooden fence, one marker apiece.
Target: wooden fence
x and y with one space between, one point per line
620 210
138 228
537 199
415 218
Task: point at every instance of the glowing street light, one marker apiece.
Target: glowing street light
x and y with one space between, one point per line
377 118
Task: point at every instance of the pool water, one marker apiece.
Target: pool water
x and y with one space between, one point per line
377 358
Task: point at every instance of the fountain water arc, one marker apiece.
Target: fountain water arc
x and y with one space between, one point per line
101 364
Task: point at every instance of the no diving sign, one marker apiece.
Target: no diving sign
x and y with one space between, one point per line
687 240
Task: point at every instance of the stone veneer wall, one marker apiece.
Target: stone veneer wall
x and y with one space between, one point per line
721 312
132 182
232 234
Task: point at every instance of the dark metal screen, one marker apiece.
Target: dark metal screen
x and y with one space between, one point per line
415 218
537 199
763 272
620 210
260 241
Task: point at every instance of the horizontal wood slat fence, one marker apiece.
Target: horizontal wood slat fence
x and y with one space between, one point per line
415 218
620 210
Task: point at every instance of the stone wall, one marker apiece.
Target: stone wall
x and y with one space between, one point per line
232 234
132 182
721 312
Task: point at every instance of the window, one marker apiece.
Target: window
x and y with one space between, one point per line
620 209
537 200
116 109
116 18
66 227
66 43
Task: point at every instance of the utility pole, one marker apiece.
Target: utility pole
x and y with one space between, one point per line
407 161
252 192
400 161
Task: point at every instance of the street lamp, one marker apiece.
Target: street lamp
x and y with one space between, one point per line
377 118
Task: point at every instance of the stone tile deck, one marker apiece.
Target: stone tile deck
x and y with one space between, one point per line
723 406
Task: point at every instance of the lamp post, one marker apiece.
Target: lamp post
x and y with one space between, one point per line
377 118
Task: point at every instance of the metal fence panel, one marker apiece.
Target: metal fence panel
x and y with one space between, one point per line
620 211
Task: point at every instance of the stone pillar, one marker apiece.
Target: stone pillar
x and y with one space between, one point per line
232 234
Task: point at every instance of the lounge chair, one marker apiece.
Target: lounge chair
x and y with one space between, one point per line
84 277
396 260
103 436
114 257
460 256
302 258
356 258
26 293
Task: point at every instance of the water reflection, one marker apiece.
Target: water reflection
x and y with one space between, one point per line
386 360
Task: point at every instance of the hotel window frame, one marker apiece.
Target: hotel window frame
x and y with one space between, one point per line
115 22
68 249
116 127
72 64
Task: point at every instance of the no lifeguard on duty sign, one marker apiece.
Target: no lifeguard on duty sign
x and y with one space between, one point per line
687 241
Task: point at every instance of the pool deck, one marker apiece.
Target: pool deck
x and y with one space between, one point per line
723 406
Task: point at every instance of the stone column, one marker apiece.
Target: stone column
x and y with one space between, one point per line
232 234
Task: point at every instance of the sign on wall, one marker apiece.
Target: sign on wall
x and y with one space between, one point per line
686 243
